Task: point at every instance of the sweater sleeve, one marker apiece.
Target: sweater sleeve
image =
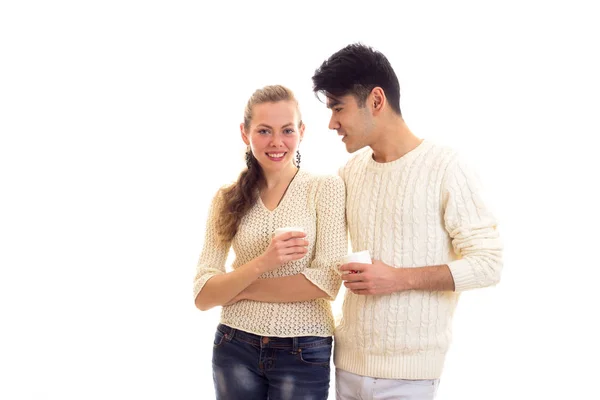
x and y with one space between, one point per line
214 253
472 229
332 238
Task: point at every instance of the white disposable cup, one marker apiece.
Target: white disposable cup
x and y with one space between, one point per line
359 257
362 257
280 231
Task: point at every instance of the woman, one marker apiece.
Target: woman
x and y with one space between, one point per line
274 339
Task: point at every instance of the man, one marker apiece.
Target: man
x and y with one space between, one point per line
415 207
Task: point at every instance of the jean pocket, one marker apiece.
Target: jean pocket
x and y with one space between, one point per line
218 339
320 355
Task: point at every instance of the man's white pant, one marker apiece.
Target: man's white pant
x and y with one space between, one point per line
349 386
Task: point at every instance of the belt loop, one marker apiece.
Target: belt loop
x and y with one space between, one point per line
231 334
295 344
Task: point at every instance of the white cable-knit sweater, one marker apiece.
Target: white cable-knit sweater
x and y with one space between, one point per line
420 210
315 203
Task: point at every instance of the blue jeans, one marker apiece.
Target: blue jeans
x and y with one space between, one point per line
248 366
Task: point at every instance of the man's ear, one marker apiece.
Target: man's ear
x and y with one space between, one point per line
377 100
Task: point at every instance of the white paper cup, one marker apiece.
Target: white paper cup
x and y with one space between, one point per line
280 231
359 257
362 257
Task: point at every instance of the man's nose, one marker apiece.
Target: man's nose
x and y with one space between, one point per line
333 123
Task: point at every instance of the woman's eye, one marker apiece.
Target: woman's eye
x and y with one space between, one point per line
263 131
288 131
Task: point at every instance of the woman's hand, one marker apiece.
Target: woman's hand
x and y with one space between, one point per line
289 246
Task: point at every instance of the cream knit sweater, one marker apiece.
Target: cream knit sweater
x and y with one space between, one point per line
420 210
315 203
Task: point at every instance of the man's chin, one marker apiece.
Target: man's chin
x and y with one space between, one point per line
351 149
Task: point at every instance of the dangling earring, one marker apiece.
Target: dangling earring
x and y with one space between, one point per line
248 158
298 158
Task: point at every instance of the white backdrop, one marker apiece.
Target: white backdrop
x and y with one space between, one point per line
119 120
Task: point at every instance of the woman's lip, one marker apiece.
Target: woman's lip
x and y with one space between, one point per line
276 158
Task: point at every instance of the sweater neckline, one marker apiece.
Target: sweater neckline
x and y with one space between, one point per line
411 155
287 192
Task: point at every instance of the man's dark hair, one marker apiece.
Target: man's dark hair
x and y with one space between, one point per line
357 69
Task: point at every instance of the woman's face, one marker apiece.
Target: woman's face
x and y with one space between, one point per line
274 134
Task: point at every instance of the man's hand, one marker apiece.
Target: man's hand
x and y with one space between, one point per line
380 278
376 278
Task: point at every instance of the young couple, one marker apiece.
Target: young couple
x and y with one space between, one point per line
411 203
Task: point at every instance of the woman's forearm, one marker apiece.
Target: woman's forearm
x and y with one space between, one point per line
221 289
282 290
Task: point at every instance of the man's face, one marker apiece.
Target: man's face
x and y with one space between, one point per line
353 123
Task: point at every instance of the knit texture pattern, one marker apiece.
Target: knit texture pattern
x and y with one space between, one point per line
316 203
420 210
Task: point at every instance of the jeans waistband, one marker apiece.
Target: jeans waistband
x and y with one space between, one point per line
293 343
